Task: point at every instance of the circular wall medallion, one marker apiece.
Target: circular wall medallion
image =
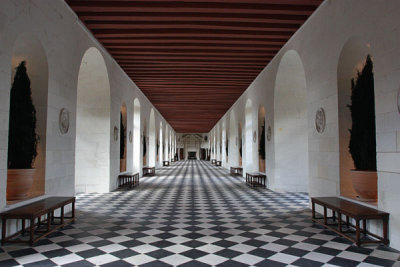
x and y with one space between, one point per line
254 136
269 133
398 101
320 120
115 133
63 121
130 136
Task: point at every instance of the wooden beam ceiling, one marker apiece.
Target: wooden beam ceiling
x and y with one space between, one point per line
193 58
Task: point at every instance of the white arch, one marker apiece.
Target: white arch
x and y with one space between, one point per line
136 135
223 143
160 145
240 143
123 138
260 124
233 152
152 139
249 143
92 149
291 126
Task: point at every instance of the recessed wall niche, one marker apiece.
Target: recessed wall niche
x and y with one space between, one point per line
28 48
94 131
352 59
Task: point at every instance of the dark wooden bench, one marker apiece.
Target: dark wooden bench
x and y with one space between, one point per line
348 209
149 171
256 179
236 171
34 212
213 161
129 179
165 163
218 163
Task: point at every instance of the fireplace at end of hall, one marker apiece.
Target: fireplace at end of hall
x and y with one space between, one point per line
192 155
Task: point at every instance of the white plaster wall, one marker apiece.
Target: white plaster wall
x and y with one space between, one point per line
319 43
65 40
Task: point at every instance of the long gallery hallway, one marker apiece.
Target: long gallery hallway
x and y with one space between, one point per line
194 214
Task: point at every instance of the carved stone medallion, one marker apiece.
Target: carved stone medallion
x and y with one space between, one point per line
398 101
320 120
63 121
269 133
115 133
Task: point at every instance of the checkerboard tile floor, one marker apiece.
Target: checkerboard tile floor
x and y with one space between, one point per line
194 214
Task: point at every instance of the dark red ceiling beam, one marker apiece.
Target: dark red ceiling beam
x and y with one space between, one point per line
190 17
216 40
196 7
132 25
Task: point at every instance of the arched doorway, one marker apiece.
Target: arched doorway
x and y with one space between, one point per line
291 127
261 139
160 145
234 140
240 144
122 138
145 144
27 48
136 135
92 125
152 139
250 137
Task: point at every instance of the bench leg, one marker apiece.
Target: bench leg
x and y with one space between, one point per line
340 221
39 222
333 215
385 230
23 227
31 231
73 210
3 230
358 243
313 209
325 216
365 226
62 215
48 221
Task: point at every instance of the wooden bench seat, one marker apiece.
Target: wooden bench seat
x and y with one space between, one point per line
129 179
256 179
149 171
236 171
348 209
35 211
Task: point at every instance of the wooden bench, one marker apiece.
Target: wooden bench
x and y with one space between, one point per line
256 179
348 209
149 171
33 212
128 179
236 171
165 163
218 163
213 161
